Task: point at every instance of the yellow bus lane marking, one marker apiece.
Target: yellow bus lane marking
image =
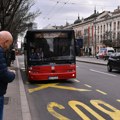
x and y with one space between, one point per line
118 100
78 107
70 88
55 86
113 112
101 92
50 108
88 85
41 87
75 106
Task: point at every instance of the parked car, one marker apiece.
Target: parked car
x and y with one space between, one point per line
104 53
114 62
100 55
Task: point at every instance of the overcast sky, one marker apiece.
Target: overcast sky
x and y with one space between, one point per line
57 12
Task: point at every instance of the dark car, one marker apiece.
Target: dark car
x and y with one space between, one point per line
114 62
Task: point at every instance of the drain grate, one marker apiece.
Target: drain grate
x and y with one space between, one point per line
6 100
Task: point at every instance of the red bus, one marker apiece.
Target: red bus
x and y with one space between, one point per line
50 54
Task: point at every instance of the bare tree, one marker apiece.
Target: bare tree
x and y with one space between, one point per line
15 15
22 18
8 9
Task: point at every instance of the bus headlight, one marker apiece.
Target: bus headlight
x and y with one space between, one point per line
73 75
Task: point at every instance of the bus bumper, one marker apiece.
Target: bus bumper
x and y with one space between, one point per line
51 76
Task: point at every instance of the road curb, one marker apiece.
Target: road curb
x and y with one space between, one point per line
98 63
24 102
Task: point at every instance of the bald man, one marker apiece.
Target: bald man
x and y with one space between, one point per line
6 75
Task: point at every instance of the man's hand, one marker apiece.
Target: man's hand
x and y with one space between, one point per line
12 71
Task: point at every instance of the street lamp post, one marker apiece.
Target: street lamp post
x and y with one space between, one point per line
94 23
95 40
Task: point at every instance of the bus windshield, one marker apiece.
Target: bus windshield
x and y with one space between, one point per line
49 54
51 46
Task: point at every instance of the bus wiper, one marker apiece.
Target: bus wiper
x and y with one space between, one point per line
48 59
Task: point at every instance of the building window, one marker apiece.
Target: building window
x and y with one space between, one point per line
98 29
114 36
98 38
104 28
101 28
107 26
101 37
117 35
114 25
110 25
118 25
104 37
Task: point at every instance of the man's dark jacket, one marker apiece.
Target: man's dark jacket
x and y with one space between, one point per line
5 75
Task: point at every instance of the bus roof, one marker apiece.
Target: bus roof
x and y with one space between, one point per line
32 32
36 30
48 30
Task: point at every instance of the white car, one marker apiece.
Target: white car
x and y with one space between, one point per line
104 53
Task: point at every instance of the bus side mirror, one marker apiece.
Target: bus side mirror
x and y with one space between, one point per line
25 46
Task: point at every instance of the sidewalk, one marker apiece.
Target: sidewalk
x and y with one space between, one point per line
12 105
16 104
91 59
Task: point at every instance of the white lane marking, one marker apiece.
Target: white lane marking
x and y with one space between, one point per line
104 93
88 85
76 80
102 72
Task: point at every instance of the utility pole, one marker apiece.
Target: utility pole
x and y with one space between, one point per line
95 40
94 22
94 43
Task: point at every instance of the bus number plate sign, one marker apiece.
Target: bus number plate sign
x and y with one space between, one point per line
53 78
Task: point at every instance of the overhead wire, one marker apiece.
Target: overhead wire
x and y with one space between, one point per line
64 3
52 12
49 16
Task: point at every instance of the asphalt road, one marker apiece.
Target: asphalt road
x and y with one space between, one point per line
93 95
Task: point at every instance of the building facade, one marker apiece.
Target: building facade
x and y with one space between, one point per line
98 30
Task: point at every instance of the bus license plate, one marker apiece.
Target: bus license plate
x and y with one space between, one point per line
52 78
